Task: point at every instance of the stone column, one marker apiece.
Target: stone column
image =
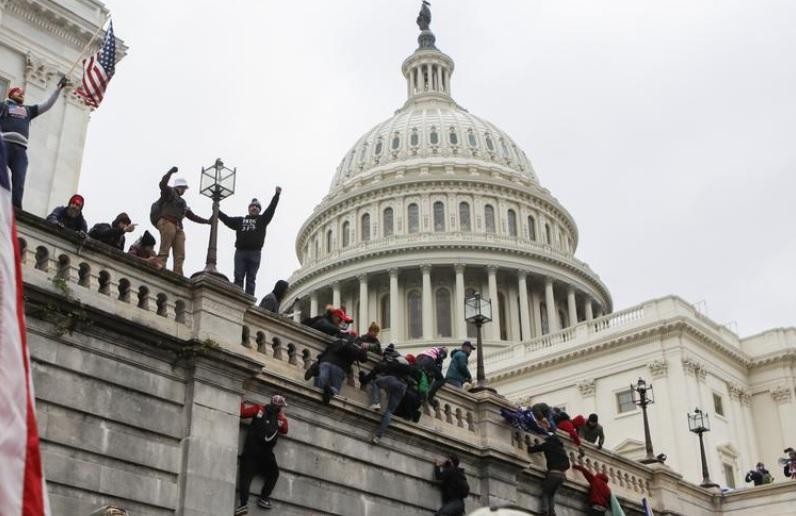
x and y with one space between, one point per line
587 309
363 304
572 307
336 294
461 324
396 321
428 327
550 301
494 328
536 304
525 323
313 303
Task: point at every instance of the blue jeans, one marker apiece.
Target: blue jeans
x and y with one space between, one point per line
247 263
395 390
331 375
17 161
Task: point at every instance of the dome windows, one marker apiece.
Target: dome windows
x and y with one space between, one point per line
387 222
379 146
531 228
414 138
453 138
346 233
434 136
489 218
439 216
365 229
329 241
413 218
512 222
471 140
490 145
396 141
464 216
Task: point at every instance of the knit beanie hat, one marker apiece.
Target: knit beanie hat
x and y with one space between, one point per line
77 199
147 240
255 202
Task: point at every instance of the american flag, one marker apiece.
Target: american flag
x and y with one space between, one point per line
98 70
22 489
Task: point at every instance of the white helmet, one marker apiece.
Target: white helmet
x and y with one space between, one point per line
180 182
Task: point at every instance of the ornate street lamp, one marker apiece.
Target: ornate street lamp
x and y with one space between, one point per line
643 396
478 310
699 423
218 182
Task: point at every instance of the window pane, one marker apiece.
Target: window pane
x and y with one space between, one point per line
414 139
396 142
329 241
489 218
531 228
718 405
512 223
415 315
388 222
453 138
624 401
346 234
548 238
414 218
439 216
464 216
489 144
729 476
365 227
378 147
503 319
444 313
471 139
434 137
384 311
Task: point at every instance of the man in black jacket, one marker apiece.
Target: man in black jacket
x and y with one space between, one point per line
392 375
335 363
249 239
557 466
272 300
113 234
71 215
453 484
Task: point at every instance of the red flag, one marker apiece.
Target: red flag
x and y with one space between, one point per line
22 491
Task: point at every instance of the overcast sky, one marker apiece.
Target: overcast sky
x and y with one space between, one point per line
666 128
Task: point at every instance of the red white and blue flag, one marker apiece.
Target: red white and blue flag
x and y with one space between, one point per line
98 70
22 489
646 506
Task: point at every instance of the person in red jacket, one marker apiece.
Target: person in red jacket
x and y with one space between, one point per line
564 423
599 492
268 422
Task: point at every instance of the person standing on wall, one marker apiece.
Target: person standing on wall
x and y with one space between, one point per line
15 118
249 239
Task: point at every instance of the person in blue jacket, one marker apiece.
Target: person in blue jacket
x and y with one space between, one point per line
458 374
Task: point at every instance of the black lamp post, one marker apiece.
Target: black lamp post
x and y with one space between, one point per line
218 182
478 310
699 423
643 396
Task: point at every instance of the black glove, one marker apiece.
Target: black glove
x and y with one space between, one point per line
172 170
63 82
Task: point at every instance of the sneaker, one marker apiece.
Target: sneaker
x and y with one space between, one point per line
375 406
327 394
240 510
264 503
375 439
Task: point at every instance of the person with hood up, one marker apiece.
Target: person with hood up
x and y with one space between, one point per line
430 362
15 118
271 300
453 484
71 215
759 475
268 423
592 431
599 492
458 373
167 214
144 248
113 234
557 465
249 239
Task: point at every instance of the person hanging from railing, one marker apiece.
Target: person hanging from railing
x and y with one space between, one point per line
458 373
592 431
453 484
271 301
113 234
557 465
70 216
268 423
333 322
15 118
372 338
430 361
392 374
335 363
599 492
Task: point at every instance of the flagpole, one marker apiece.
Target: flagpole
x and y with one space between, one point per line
87 45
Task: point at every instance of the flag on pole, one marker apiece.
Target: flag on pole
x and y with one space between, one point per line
647 509
22 490
98 70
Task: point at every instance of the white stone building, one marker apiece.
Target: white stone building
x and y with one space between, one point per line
435 202
39 41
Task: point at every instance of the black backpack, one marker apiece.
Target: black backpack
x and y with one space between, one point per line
154 211
265 426
459 485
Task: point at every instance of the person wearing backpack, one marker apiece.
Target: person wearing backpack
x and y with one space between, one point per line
557 465
335 362
453 485
430 361
268 423
167 213
458 373
249 239
392 375
759 475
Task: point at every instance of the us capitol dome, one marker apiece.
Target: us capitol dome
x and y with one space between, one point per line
433 204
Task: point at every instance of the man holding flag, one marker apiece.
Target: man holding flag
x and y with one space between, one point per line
22 489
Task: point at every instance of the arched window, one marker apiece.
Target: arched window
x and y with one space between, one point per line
503 317
548 236
384 311
329 241
346 233
434 136
471 138
413 217
464 216
415 311
489 144
379 146
512 222
543 318
414 138
365 230
453 138
439 216
489 218
396 141
316 248
443 313
387 222
504 150
532 228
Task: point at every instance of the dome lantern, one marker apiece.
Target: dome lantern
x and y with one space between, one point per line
427 71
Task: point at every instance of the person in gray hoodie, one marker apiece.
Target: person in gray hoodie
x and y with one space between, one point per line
458 374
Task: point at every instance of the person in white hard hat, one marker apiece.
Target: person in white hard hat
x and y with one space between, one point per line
167 214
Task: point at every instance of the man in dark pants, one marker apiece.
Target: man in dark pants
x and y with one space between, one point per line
557 466
15 118
453 484
249 238
258 452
